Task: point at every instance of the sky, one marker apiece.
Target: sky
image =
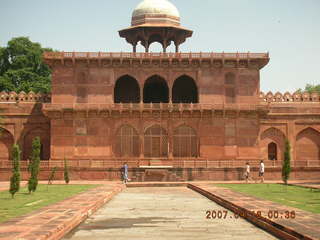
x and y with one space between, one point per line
288 29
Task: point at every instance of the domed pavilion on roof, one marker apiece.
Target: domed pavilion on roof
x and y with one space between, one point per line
155 21
170 116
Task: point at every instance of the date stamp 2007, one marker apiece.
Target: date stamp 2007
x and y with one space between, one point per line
271 214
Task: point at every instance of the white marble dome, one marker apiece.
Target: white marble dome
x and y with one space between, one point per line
154 8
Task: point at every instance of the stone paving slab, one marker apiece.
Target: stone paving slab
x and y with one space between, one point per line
54 221
304 222
163 213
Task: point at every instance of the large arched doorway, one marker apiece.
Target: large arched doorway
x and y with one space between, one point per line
155 142
127 90
184 90
185 142
6 142
45 143
155 90
127 142
308 145
272 143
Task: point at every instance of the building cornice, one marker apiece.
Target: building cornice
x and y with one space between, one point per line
127 59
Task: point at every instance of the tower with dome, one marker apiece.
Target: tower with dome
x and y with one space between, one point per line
170 116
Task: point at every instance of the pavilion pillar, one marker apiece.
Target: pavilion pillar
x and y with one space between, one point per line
177 47
164 45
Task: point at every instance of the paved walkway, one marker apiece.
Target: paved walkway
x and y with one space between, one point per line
54 221
163 213
304 222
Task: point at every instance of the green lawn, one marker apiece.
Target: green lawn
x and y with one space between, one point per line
24 203
298 197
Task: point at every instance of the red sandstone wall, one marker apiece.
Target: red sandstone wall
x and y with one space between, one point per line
82 84
92 84
95 137
20 123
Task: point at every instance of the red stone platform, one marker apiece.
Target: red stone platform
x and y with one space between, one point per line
305 225
54 221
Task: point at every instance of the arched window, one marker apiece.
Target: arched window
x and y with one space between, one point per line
155 90
272 151
155 142
127 90
308 145
6 142
127 142
184 90
185 142
230 91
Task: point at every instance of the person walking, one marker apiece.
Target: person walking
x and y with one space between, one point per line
247 172
125 173
261 171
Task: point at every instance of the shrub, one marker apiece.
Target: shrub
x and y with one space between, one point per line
15 178
34 165
286 168
51 177
66 172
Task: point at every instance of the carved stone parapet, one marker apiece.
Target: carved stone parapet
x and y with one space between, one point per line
30 97
288 97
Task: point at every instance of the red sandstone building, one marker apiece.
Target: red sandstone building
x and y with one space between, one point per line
171 116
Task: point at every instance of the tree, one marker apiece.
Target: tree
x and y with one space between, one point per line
66 172
22 67
34 165
15 178
286 168
311 88
51 177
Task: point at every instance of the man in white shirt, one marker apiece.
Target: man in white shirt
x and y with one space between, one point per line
247 173
261 171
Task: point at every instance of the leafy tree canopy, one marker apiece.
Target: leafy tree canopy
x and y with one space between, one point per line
311 88
22 67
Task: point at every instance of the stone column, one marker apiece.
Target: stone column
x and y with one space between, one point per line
177 47
170 84
170 139
141 138
164 45
147 46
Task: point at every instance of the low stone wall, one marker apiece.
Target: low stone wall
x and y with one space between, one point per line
171 174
